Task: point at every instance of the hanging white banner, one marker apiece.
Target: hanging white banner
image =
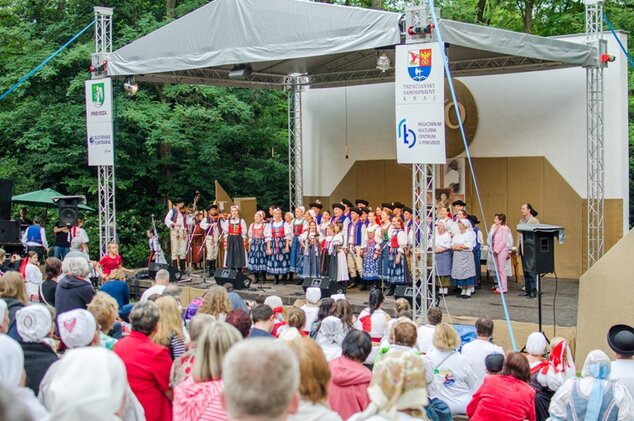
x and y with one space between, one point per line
99 119
420 96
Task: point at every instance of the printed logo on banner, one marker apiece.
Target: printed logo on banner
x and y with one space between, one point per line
419 64
98 94
406 135
91 140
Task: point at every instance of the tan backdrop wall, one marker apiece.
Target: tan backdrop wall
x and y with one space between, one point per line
504 184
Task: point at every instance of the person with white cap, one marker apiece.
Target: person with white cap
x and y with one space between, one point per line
621 340
330 337
12 377
595 396
311 308
35 328
276 305
536 348
463 271
78 328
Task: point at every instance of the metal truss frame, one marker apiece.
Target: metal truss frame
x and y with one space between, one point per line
595 135
294 86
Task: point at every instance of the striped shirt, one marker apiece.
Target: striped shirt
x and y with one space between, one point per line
198 401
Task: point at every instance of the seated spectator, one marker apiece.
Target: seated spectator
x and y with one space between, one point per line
52 271
494 363
426 331
104 308
535 349
454 376
295 319
12 377
548 377
621 340
330 337
11 264
35 329
402 334
373 320
314 378
324 311
350 378
148 365
276 305
78 328
95 378
4 317
198 396
182 367
117 288
477 350
398 390
216 303
13 293
311 308
507 396
593 397
263 322
240 320
343 311
161 280
169 331
237 303
402 308
74 290
247 370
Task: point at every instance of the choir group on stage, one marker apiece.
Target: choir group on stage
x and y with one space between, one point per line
353 244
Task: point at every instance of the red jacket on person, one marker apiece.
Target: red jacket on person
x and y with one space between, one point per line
348 391
502 398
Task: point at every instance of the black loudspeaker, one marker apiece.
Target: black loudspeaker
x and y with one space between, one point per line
6 191
538 251
175 274
233 277
327 286
67 206
9 232
407 292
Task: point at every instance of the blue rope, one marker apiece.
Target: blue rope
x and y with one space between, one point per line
42 64
607 22
475 183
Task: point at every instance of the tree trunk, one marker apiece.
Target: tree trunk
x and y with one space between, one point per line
170 5
528 16
481 9
165 149
377 4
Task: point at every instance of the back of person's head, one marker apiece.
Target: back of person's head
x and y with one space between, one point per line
273 301
12 409
228 286
325 308
12 286
343 311
536 344
296 317
434 316
162 277
77 328
597 365
240 320
34 322
494 363
37 220
198 323
170 321
173 291
215 302
261 313
3 255
314 371
117 273
76 243
52 267
76 266
484 327
516 365
212 345
248 370
446 338
405 332
144 317
105 310
357 345
376 300
401 305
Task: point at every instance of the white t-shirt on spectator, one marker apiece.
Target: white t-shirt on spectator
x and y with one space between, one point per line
425 342
156 289
454 378
476 352
623 371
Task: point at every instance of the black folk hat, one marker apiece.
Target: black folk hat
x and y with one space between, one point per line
621 340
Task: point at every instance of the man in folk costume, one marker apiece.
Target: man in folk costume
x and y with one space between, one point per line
456 206
412 237
213 230
315 211
338 216
178 222
362 204
34 239
347 206
355 234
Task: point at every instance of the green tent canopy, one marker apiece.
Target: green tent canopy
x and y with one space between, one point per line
43 199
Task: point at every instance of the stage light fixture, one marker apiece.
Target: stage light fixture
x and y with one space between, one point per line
130 86
240 72
383 62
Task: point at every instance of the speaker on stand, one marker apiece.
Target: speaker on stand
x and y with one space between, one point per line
67 207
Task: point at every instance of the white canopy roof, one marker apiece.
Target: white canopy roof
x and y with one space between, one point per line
333 44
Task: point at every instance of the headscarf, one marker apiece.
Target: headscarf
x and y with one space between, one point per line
338 297
597 366
398 383
302 208
330 331
536 343
561 357
466 223
290 334
276 305
76 328
89 384
313 295
34 323
11 362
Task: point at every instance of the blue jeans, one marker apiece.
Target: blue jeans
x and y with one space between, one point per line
530 283
124 311
60 252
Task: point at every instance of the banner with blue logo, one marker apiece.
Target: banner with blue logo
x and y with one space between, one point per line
420 97
99 122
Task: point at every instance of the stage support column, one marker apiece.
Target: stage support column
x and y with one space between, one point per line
595 133
294 87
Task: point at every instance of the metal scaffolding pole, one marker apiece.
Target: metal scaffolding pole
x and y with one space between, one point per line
595 132
106 175
294 86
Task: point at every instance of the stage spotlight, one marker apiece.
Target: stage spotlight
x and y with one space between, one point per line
383 62
240 72
130 86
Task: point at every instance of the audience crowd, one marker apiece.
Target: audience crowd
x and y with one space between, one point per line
81 354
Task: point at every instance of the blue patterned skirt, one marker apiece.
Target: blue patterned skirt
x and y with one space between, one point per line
257 255
370 265
463 271
277 262
396 271
443 263
383 263
311 267
295 264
